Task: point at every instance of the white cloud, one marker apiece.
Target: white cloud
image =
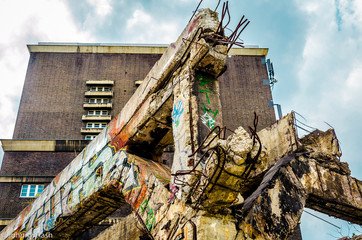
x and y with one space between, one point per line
142 28
101 7
24 22
351 94
328 78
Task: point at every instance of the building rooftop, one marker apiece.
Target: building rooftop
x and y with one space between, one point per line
63 47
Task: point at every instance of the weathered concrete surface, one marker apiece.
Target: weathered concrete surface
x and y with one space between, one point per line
236 166
275 208
128 228
100 187
300 180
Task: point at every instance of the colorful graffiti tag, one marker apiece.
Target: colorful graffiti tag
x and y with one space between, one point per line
209 115
177 112
60 198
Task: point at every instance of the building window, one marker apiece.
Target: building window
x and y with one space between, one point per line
31 191
98 100
100 89
96 125
98 112
89 137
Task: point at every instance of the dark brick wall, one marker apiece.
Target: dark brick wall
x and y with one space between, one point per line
10 202
51 106
35 163
242 92
52 101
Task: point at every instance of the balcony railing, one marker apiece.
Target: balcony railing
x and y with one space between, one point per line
96 117
97 105
99 82
90 130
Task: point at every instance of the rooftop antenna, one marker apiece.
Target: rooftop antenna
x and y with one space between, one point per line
272 79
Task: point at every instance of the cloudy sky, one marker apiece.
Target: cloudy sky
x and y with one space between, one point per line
315 47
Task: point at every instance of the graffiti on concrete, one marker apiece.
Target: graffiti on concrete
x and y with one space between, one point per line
150 219
61 197
209 114
177 112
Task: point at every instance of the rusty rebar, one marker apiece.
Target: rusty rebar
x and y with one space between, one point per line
197 8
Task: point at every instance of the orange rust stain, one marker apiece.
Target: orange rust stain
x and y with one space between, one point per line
186 232
56 179
118 142
112 127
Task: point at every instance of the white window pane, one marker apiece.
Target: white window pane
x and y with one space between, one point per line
32 191
32 188
24 191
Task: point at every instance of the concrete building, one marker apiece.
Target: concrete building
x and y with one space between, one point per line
72 91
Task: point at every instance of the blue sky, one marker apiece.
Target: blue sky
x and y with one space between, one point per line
315 47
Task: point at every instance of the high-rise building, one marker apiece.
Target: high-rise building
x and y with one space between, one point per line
71 92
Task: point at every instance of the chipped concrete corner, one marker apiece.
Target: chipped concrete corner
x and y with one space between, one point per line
251 185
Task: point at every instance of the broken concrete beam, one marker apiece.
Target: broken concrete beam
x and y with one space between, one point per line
330 192
275 208
324 147
173 58
90 194
236 166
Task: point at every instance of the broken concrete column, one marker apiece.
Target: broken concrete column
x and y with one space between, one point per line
299 180
237 165
196 109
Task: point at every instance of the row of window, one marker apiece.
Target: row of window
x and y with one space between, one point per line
30 190
99 100
96 125
97 112
100 89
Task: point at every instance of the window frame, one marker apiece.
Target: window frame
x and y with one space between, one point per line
100 89
93 112
28 190
99 100
100 125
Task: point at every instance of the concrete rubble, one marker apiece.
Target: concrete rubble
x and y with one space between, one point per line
251 185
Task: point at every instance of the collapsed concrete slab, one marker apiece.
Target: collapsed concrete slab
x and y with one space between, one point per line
202 196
